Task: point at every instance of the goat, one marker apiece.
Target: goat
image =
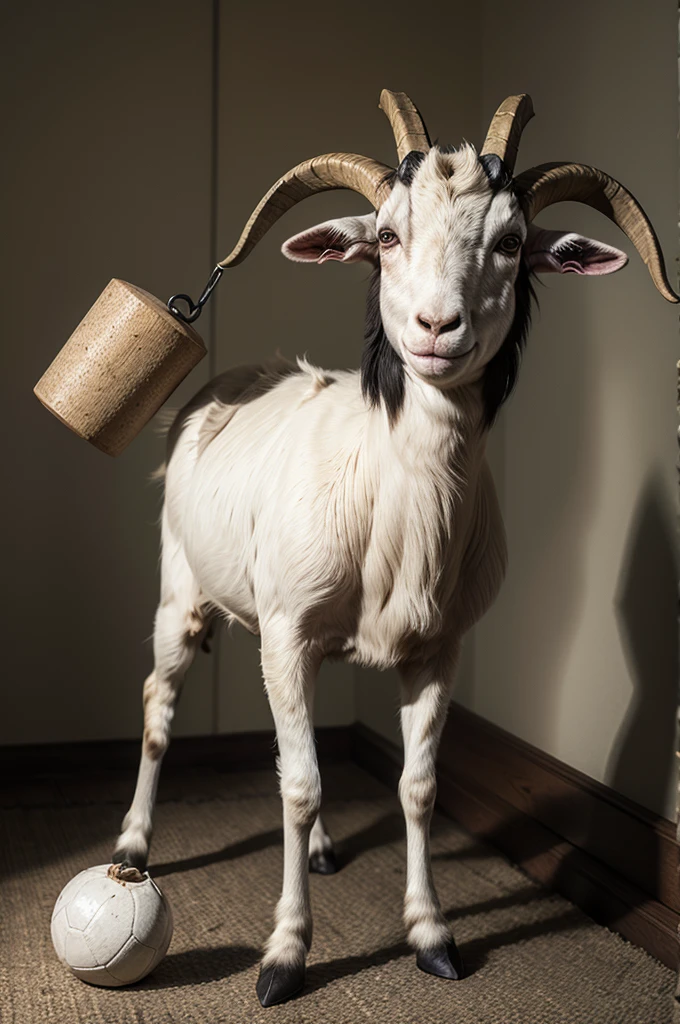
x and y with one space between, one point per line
353 514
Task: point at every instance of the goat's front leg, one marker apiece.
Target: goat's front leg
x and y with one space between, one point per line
425 697
289 674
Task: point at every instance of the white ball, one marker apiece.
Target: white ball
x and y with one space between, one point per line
111 932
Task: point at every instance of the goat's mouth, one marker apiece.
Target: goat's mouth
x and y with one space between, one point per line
431 364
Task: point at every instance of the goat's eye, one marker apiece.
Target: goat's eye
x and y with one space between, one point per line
509 245
387 237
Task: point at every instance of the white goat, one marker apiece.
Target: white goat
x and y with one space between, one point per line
353 514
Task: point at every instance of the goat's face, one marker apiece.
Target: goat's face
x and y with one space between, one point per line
448 244
449 248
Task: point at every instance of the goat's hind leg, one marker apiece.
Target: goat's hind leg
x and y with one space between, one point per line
321 853
179 627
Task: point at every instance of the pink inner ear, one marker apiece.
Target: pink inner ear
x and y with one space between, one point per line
352 253
314 246
331 254
344 240
564 252
595 263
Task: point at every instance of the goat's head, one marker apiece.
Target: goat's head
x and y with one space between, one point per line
453 246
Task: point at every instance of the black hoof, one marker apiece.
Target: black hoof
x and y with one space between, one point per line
279 982
323 863
129 860
442 961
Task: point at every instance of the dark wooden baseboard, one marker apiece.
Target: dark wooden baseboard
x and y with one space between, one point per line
231 751
611 857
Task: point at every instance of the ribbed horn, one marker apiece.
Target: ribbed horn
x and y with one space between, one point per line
546 184
505 130
321 173
408 126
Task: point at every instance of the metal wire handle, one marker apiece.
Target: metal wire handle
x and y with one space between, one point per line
195 308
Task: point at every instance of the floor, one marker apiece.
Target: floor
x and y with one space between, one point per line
532 958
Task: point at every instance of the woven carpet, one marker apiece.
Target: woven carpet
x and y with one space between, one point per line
532 958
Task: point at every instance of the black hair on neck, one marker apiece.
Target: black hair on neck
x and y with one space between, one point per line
382 371
500 374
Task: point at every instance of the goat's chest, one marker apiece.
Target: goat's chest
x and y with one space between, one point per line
420 527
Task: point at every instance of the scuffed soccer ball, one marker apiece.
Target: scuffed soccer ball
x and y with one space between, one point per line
111 926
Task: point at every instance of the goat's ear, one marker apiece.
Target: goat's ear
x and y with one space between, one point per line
348 240
565 252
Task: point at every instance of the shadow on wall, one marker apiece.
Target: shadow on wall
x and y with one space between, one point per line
641 762
643 752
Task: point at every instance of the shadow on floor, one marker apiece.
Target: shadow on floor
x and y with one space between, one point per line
474 954
201 965
387 829
253 844
206 964
519 898
195 966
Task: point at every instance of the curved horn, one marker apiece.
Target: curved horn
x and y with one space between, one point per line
334 170
408 126
506 128
557 182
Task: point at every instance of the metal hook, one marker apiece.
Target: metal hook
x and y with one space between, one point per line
195 308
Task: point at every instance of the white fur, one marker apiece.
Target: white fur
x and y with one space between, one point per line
303 515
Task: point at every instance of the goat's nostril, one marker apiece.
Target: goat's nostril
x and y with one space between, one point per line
437 326
452 325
